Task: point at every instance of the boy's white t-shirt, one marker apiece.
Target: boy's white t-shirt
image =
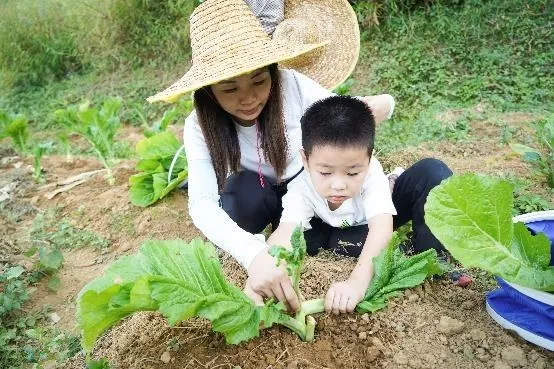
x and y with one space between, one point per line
302 202
298 93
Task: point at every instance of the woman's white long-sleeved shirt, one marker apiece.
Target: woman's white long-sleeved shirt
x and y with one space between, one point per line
298 93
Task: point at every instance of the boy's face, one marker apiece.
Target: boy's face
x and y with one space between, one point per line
337 173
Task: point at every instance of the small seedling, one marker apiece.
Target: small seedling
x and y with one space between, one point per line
38 151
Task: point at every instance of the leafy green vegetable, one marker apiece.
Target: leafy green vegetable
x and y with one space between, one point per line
156 154
185 280
16 128
293 258
471 216
98 126
178 279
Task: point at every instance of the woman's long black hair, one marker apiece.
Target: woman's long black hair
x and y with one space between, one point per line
221 135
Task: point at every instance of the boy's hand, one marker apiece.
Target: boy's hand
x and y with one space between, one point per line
343 297
265 279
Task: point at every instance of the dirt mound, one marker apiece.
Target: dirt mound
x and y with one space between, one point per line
436 325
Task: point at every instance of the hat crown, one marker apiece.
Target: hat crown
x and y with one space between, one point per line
221 28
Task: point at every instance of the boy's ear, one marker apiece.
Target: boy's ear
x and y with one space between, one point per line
304 158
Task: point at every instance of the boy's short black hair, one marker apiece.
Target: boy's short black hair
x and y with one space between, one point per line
339 121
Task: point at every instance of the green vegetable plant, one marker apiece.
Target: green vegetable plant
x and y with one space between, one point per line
472 217
156 156
15 127
38 151
179 110
542 158
183 280
98 126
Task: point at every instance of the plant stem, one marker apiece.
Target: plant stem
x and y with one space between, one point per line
297 326
313 306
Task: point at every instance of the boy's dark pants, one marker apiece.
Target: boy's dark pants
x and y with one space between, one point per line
253 208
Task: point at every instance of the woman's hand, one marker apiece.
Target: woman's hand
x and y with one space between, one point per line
266 280
381 106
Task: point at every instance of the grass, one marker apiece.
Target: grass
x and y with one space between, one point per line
443 58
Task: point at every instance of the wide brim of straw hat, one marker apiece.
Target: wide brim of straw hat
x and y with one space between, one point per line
334 21
242 61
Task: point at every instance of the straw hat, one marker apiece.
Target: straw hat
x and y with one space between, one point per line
227 40
331 20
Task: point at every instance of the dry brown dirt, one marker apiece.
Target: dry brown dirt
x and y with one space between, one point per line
437 325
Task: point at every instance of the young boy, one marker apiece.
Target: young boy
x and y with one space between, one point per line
342 199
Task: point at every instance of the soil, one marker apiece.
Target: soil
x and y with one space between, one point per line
436 325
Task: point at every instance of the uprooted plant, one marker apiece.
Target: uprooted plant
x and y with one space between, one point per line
182 280
471 215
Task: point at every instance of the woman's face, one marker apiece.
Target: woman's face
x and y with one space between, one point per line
244 97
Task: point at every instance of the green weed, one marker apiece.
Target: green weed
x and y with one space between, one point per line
47 229
542 159
24 338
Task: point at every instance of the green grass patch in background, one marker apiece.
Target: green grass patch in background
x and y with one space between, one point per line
440 58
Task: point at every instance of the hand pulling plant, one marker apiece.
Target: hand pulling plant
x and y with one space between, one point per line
156 156
98 127
471 215
182 280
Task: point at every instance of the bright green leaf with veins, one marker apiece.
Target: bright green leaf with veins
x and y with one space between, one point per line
471 216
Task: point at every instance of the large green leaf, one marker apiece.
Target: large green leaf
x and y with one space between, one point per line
159 146
141 191
156 154
471 216
178 279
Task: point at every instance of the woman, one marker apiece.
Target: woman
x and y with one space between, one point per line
243 138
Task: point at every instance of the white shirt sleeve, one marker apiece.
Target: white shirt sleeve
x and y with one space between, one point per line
296 208
376 195
204 207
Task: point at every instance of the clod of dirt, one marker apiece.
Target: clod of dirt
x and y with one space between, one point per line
165 357
362 335
365 317
540 364
378 343
514 356
372 353
499 364
449 326
400 358
292 364
477 334
54 318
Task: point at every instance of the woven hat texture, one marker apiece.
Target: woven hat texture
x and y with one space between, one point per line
227 40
